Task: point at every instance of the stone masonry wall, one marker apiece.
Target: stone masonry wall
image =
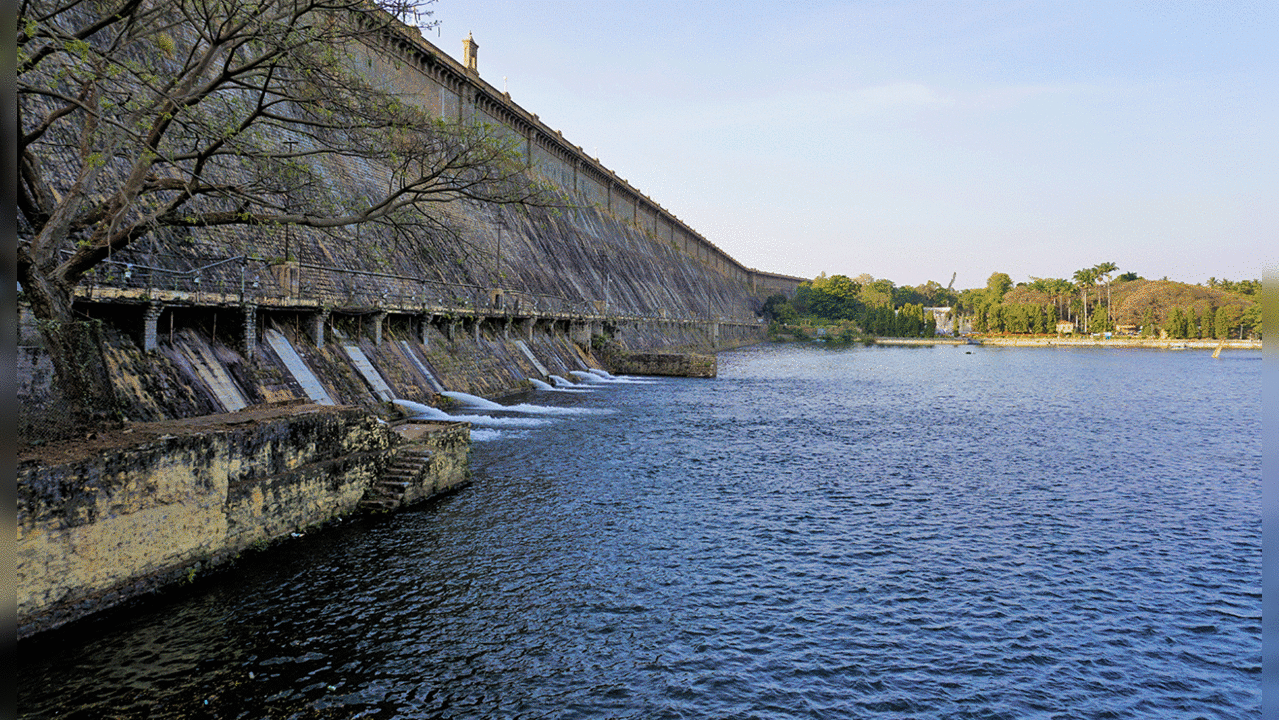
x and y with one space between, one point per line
98 530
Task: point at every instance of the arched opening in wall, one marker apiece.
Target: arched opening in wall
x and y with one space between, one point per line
125 319
296 325
439 325
399 326
348 327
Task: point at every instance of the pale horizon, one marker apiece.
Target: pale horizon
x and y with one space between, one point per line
915 140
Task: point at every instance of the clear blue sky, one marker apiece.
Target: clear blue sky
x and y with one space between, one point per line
910 140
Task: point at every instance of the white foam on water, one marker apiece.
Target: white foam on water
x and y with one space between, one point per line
587 376
605 376
549 410
543 385
563 383
525 408
422 411
472 400
485 435
490 421
426 412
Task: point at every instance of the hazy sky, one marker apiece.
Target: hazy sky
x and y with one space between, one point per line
912 140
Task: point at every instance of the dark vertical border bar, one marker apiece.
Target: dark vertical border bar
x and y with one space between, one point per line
9 342
1270 495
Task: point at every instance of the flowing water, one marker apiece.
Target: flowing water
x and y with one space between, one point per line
940 532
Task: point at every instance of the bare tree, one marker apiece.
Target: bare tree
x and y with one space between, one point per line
138 117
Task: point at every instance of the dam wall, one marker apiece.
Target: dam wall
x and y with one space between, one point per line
480 302
326 329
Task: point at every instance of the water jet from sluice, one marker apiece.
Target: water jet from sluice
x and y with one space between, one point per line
426 412
480 403
590 378
423 412
563 383
606 376
543 385
473 400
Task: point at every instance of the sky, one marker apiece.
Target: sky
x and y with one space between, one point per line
916 140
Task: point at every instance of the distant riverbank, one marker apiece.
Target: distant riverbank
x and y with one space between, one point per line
1079 342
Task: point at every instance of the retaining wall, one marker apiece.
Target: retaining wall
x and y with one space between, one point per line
116 523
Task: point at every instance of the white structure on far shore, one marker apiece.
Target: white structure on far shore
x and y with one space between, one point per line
945 319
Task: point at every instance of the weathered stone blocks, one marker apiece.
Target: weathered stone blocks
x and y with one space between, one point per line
98 530
674 364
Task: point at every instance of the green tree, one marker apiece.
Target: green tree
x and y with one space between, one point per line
772 303
998 285
1100 321
158 119
802 294
995 318
1227 318
1175 324
835 298
877 292
1250 321
1207 323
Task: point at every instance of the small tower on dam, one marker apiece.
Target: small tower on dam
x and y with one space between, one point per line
470 54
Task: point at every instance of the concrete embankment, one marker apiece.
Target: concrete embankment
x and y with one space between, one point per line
1122 343
121 516
170 498
1080 342
700 365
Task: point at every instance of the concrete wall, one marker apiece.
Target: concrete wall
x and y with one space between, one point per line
563 254
96 530
676 364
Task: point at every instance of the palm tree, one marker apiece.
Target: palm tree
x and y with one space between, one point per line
1103 271
1085 279
1062 289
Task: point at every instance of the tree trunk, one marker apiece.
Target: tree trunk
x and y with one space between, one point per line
76 351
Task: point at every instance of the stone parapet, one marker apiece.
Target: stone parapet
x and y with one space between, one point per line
696 365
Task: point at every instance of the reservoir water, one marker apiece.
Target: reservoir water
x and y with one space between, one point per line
948 532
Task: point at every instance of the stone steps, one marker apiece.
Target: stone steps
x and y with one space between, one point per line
387 493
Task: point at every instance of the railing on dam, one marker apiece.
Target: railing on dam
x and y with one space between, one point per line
245 280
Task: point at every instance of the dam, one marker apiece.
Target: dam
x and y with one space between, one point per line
313 325
428 310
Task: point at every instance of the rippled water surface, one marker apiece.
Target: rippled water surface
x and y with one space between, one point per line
872 532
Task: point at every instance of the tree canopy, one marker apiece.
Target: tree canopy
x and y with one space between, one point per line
144 118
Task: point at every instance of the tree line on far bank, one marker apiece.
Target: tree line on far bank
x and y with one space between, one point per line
1090 302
